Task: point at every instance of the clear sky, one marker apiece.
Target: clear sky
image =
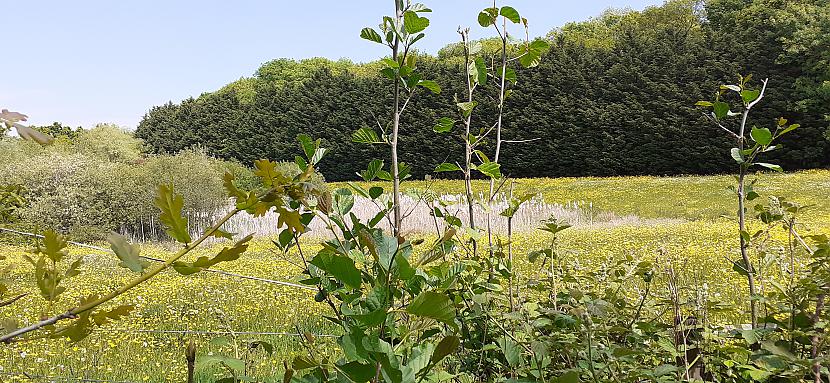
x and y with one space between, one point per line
90 61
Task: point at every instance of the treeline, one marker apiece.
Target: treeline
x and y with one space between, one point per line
614 95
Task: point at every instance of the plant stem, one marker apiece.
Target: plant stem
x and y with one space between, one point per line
396 123
468 149
73 313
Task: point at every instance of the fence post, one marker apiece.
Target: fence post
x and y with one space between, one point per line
190 355
687 336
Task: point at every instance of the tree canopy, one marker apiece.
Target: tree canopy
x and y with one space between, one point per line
607 97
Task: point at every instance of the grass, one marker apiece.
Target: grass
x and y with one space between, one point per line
696 239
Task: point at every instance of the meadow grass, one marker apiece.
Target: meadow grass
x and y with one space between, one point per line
697 245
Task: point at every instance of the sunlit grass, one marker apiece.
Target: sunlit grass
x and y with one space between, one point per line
699 244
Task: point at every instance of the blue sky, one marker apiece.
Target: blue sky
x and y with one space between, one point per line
91 61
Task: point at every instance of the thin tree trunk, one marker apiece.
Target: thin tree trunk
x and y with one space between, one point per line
468 150
498 121
816 339
750 272
396 122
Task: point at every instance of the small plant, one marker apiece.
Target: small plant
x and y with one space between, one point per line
751 144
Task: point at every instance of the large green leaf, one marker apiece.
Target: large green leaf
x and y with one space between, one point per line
480 73
206 361
430 304
366 136
266 170
446 167
721 109
127 253
444 125
533 53
372 170
431 85
340 267
775 167
750 95
171 205
571 376
54 246
511 350
371 35
487 17
414 23
761 136
736 155
511 14
490 169
447 346
467 107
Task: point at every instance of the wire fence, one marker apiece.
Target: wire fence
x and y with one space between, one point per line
46 378
225 273
205 332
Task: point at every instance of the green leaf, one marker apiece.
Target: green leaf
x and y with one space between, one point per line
480 74
750 336
533 53
431 85
444 125
171 205
340 267
511 14
207 361
775 167
359 372
366 136
375 192
54 246
103 317
761 136
127 253
510 76
343 201
511 350
445 347
571 376
430 304
485 19
267 172
665 369
466 107
446 167
227 254
750 95
733 88
789 129
736 155
704 103
372 170
414 23
490 169
721 109
307 145
371 35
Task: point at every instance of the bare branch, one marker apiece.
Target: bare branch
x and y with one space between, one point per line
714 121
760 96
521 141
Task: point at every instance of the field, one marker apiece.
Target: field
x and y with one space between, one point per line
674 220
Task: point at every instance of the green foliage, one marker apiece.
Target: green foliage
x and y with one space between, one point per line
604 98
107 185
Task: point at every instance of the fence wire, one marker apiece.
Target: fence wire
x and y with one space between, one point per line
225 273
204 332
23 375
